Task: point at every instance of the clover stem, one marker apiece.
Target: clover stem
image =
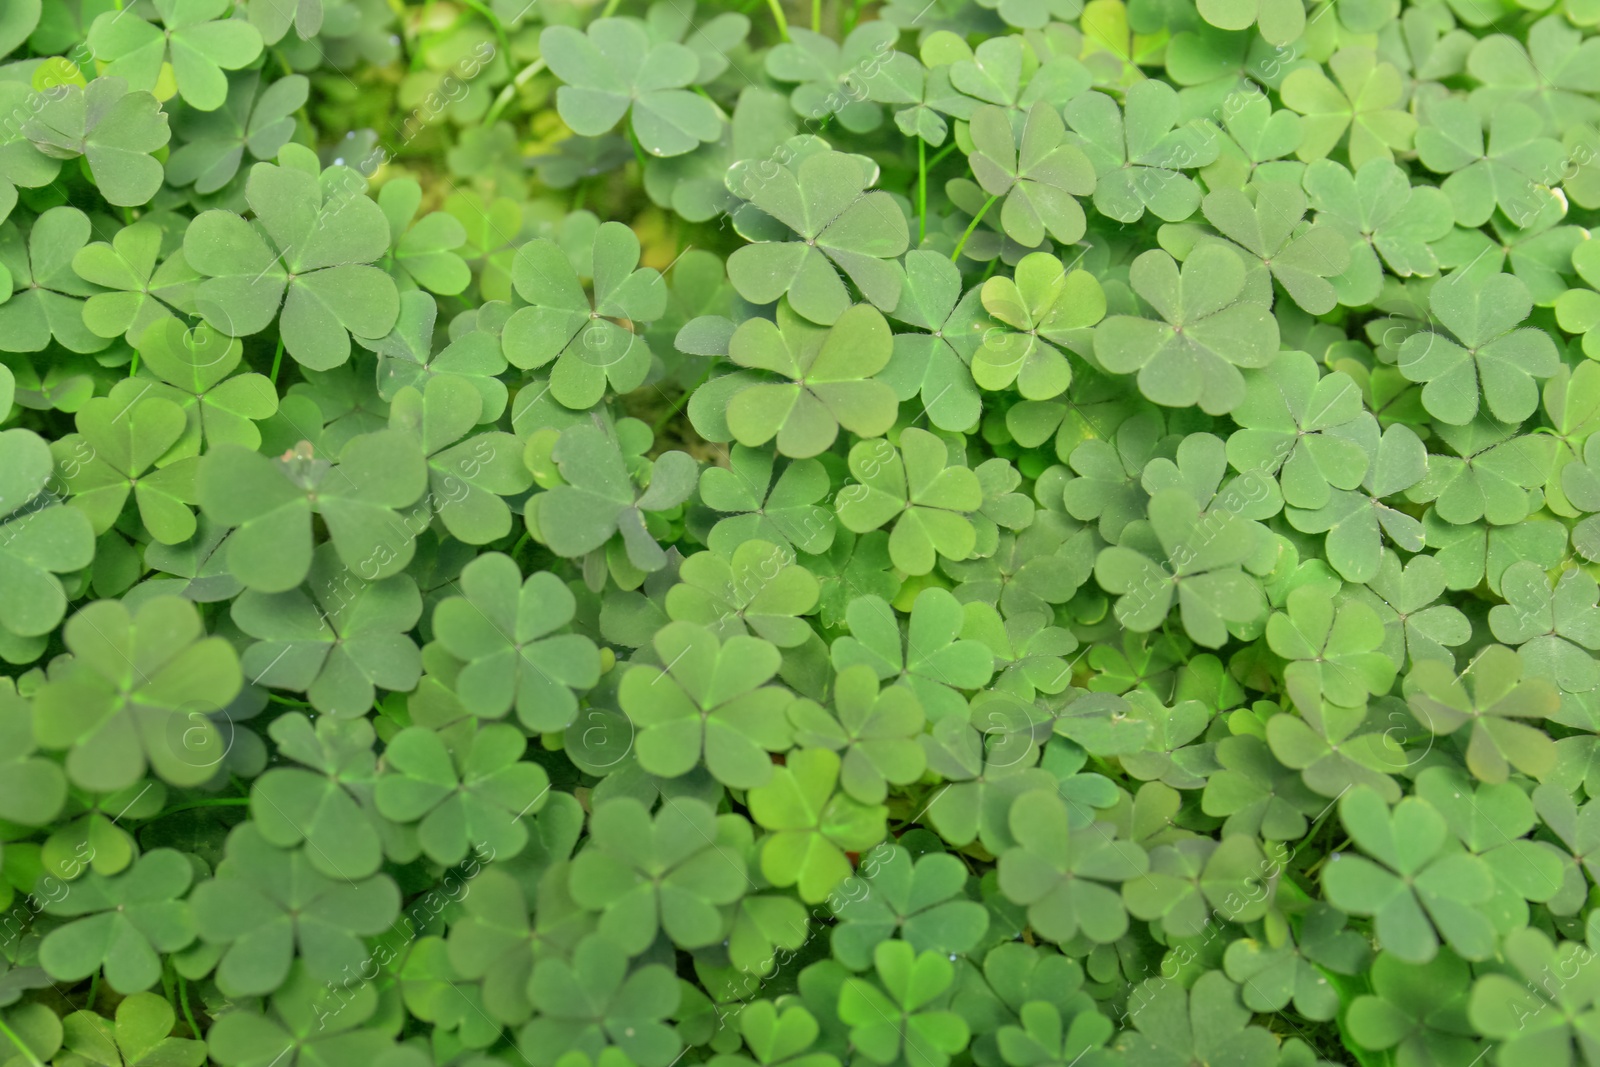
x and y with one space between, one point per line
27 1053
973 225
183 1002
816 16
94 989
520 542
611 8
677 405
939 155
133 365
1324 858
499 30
277 360
777 16
209 802
638 149
922 190
524 76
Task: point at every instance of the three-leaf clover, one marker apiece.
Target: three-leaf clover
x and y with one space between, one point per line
122 923
816 380
1036 169
1421 881
1451 142
306 262
113 129
902 1018
136 694
267 907
471 794
915 487
1333 650
934 363
506 631
1490 363
1210 329
757 507
594 343
593 1001
927 655
143 291
195 43
1556 626
811 826
823 200
1360 99
709 703
876 732
1045 308
613 68
1490 694
1267 226
1065 876
602 497
921 901
1206 1024
47 297
1140 151
671 873
757 588
140 1036
337 644
272 501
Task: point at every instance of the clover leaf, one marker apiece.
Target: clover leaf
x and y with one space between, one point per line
1359 100
136 694
257 117
921 900
195 369
926 656
1555 626
1331 651
1064 876
1418 884
811 826
816 380
461 797
823 200
124 443
121 923
467 476
670 873
1490 695
916 487
271 502
935 363
337 644
327 801
1267 227
1046 308
140 1036
902 1018
594 1001
145 293
267 907
1140 152
1203 551
710 703
784 511
194 45
594 343
1210 329
612 69
113 129
756 589
306 263
1489 357
1207 1023
48 297
602 497
1036 169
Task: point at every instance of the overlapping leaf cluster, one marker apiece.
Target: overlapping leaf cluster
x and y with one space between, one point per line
1014 533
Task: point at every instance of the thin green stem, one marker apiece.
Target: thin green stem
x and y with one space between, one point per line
677 405
638 149
276 699
94 989
922 191
133 364
526 536
777 16
507 94
277 361
183 1002
816 16
611 8
973 225
939 155
494 21
209 802
27 1053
